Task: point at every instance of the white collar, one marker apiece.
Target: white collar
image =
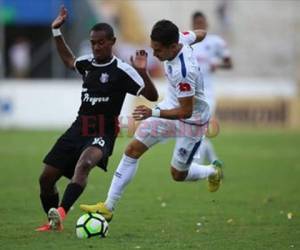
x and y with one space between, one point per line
102 64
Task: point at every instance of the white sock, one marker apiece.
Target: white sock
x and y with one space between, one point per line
199 172
123 175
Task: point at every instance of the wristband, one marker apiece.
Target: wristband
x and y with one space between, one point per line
56 32
156 112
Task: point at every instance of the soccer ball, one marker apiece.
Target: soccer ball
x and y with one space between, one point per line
90 225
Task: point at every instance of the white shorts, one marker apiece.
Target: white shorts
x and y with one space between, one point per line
188 138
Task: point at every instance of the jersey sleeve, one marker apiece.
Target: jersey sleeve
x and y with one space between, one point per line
133 82
187 37
81 63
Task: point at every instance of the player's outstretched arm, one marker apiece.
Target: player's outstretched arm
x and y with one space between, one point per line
62 48
184 111
139 62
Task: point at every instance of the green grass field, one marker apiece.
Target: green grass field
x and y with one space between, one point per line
249 212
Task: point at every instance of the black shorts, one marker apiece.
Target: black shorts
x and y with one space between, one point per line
66 151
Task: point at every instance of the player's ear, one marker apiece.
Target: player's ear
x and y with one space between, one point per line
113 40
173 46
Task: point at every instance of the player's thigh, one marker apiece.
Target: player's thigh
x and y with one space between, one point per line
96 151
64 153
90 156
154 130
186 146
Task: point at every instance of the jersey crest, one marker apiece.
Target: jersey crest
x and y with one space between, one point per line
185 33
104 78
184 87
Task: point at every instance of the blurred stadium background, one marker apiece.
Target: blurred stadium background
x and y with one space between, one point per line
258 110
261 90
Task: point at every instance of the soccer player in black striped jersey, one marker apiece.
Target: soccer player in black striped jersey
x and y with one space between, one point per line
90 139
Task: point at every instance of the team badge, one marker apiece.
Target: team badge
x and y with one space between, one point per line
104 78
183 86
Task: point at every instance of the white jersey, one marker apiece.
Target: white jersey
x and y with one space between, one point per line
213 49
184 80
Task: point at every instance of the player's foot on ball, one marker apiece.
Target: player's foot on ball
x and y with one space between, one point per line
56 216
44 228
214 180
98 208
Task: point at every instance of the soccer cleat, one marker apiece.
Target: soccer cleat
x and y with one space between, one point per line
44 228
98 208
55 217
214 180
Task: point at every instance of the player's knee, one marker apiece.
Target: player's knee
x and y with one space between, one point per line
132 151
48 178
84 164
136 149
178 175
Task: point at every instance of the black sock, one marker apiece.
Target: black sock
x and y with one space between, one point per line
72 192
49 200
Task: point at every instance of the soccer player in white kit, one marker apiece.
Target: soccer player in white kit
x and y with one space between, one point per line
212 54
182 115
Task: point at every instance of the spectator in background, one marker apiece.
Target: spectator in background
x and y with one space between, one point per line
223 17
19 58
212 54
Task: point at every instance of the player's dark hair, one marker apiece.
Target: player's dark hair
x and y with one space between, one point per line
198 14
165 32
104 27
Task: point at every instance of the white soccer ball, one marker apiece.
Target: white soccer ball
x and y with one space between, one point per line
90 225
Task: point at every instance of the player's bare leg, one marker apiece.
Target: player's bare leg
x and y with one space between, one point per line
213 173
122 177
88 159
48 192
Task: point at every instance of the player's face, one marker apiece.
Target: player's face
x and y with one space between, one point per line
162 52
200 23
101 45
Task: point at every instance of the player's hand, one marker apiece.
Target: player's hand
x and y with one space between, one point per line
139 62
61 18
141 112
